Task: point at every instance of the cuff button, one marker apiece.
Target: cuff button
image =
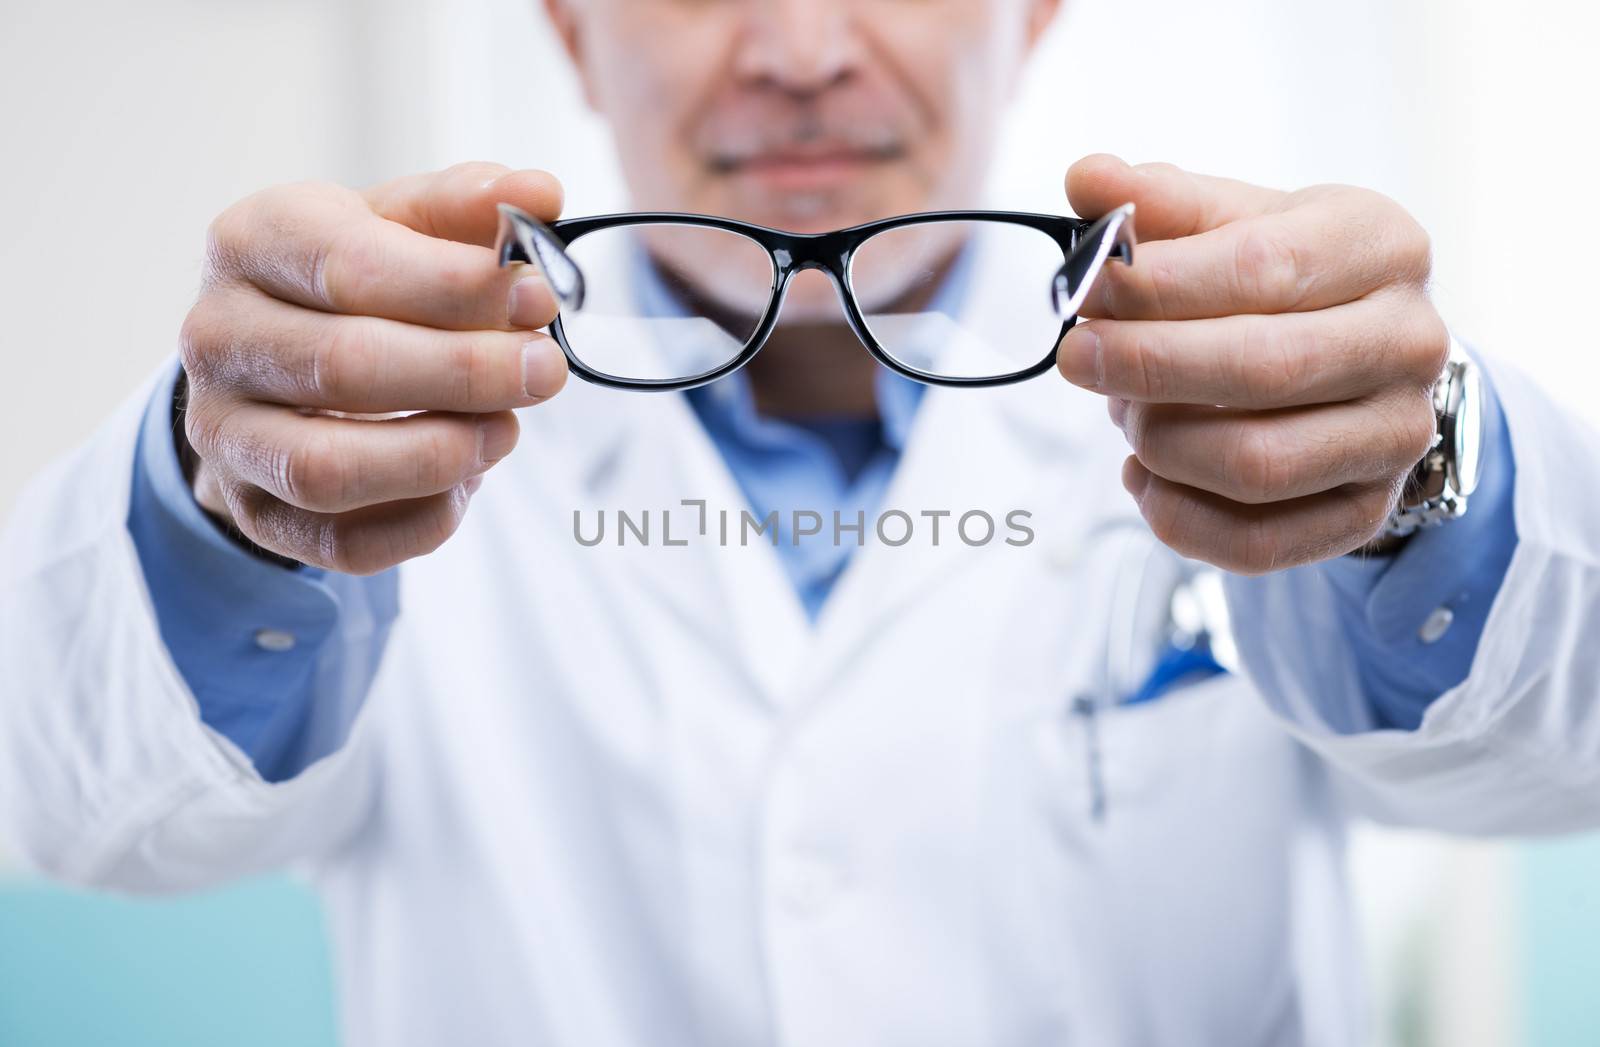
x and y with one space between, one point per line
276 640
1436 625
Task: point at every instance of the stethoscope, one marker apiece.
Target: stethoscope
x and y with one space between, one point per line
1166 618
1159 601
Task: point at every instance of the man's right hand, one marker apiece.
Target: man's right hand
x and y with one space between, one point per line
321 302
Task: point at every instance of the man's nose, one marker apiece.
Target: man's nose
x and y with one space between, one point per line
798 45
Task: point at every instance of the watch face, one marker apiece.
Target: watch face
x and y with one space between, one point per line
1467 431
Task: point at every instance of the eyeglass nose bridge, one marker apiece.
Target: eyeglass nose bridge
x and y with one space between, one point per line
817 251
824 254
812 251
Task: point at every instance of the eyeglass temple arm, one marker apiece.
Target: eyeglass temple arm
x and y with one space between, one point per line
523 238
1111 237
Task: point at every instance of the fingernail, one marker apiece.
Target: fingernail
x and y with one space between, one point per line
1078 357
531 304
544 369
497 434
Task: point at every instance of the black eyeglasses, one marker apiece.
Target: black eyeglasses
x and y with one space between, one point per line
660 301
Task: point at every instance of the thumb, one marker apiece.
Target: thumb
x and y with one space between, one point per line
1170 201
458 203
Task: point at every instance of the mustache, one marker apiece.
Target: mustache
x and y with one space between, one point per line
749 135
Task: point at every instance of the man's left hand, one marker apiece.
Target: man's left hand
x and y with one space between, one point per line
1270 357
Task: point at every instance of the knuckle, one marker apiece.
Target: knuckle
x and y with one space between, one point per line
1270 268
441 458
460 285
360 548
313 474
1163 285
1360 200
1139 423
1367 508
1379 223
250 241
485 370
1141 367
1402 432
318 237
346 366
1254 466
1417 431
333 550
1110 294
203 426
1431 346
1372 506
459 291
219 343
244 505
228 237
1254 547
1411 246
198 341
435 527
1367 210
466 370
251 510
1274 361
343 544
1163 514
346 546
1418 249
344 264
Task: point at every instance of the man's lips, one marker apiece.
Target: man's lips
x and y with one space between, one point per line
806 171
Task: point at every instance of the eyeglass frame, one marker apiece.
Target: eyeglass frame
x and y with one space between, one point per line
832 253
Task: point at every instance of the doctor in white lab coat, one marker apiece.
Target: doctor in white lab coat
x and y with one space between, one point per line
631 794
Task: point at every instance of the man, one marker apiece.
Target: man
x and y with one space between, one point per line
724 792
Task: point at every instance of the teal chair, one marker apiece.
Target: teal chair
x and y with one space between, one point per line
246 966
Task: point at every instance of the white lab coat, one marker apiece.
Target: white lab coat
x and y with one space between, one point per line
604 796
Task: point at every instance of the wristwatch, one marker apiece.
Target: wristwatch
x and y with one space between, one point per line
1438 488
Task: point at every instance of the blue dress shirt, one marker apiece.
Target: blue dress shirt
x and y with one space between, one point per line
250 637
1455 568
253 639
842 463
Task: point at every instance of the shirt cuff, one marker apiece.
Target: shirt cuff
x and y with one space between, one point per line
246 634
1413 619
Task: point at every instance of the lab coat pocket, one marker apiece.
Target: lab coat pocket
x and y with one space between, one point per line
1141 756
1090 629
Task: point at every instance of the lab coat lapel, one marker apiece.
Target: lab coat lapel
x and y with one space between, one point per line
641 453
1040 446
985 450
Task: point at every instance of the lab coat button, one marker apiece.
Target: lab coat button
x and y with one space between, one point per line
1436 625
275 640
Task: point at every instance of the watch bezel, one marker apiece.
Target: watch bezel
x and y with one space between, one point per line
1438 487
1463 428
